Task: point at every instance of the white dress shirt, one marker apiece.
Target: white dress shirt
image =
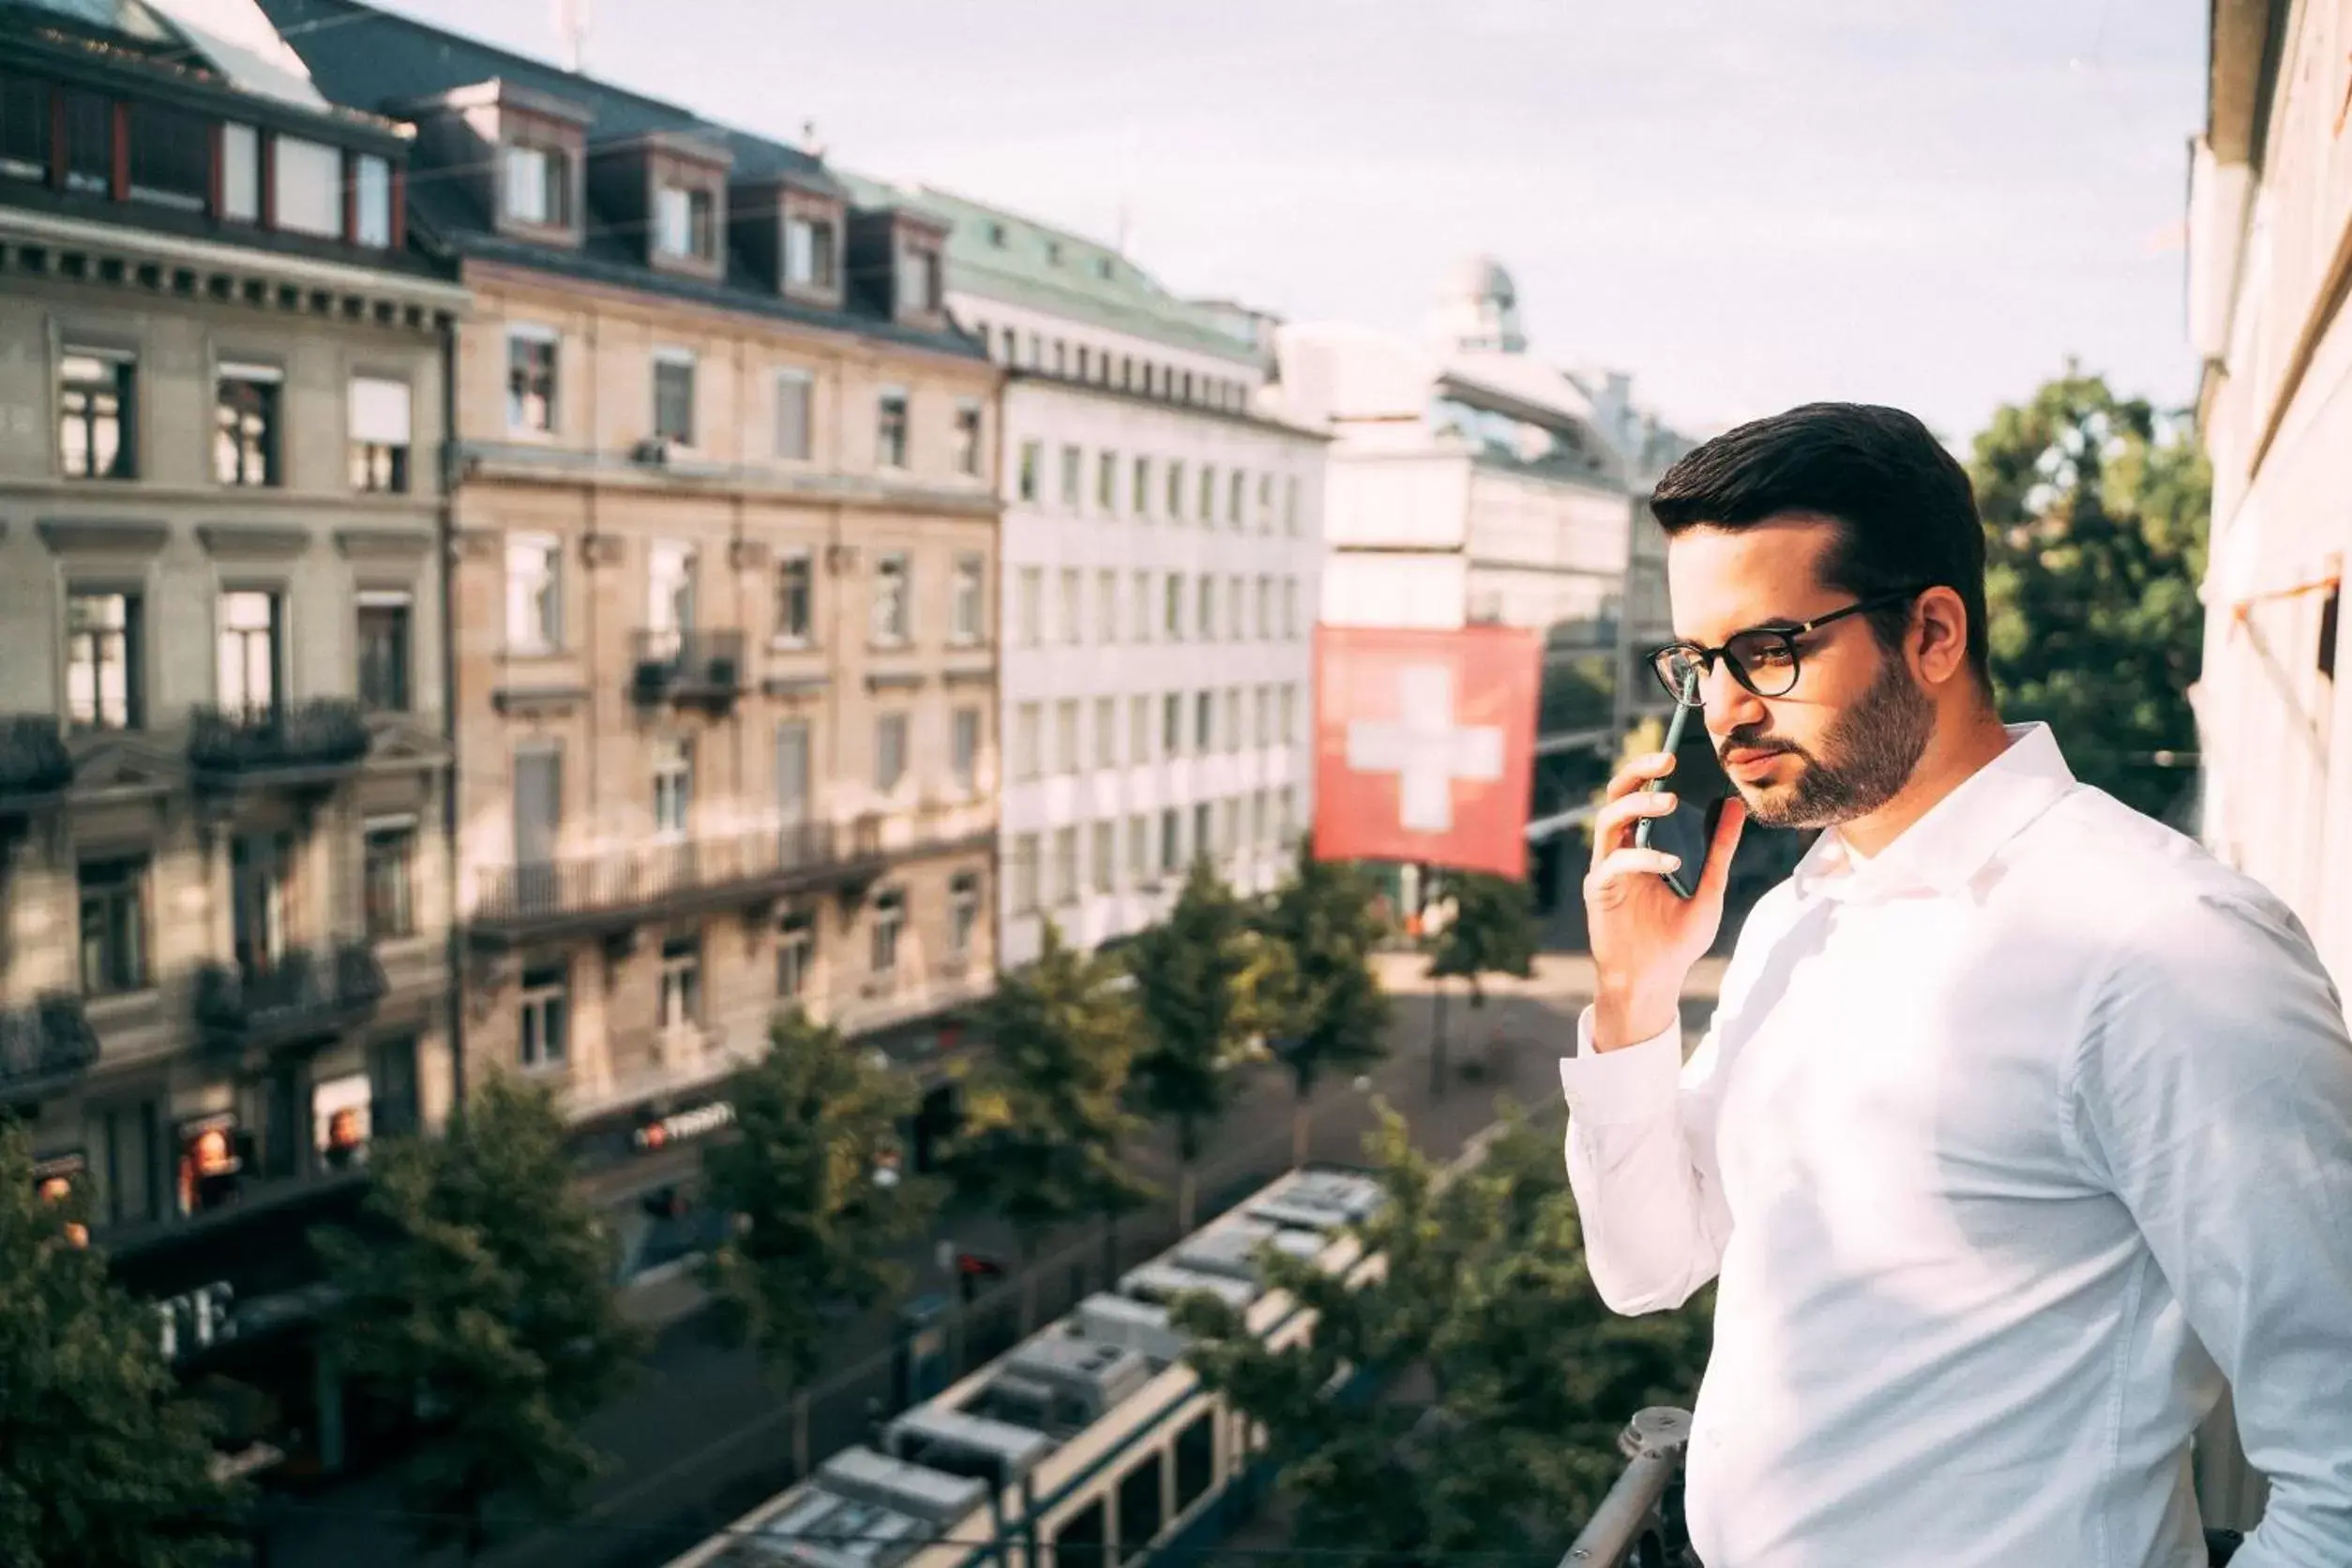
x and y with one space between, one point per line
2008 1145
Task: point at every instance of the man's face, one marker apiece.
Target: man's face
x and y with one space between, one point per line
1843 741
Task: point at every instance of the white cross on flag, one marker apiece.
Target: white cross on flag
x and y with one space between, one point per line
1425 745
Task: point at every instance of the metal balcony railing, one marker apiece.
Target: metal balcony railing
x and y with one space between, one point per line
687 665
304 992
34 763
48 1038
1639 1523
657 880
318 738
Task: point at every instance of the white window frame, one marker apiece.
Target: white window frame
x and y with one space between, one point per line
885 929
672 788
553 1046
678 998
805 385
891 621
805 558
969 622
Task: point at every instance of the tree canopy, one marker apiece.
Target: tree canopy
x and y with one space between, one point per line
1314 991
101 1459
1491 931
2095 511
1188 975
481 1290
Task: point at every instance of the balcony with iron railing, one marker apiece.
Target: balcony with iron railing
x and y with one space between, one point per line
667 879
35 766
314 741
46 1039
301 994
698 668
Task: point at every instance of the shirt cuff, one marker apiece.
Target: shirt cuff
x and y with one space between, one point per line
1631 1084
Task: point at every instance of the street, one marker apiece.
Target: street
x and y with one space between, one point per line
701 1438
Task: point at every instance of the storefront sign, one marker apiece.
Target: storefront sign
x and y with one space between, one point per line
340 1125
195 1320
212 1162
682 1126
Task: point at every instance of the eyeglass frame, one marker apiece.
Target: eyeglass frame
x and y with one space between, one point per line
1788 634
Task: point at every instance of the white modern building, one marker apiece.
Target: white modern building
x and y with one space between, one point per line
1162 538
1472 483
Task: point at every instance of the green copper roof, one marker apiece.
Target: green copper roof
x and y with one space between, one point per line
1001 255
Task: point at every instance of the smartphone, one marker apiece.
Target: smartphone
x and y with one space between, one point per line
1687 830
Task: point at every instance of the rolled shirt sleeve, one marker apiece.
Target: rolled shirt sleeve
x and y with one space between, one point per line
1642 1166
2213 1094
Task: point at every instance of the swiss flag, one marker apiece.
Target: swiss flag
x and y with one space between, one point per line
1424 742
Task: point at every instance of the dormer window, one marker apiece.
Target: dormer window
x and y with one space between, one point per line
538 187
685 222
930 281
809 245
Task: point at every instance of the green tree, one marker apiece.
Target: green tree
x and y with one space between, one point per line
2095 512
1046 1120
818 1203
1188 974
1498 1382
100 1458
1489 930
1312 989
480 1288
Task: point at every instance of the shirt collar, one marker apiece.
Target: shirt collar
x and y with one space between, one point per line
1960 833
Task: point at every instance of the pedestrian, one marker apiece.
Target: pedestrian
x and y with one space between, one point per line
2022 1125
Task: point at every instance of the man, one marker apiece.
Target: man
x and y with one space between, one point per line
2021 1124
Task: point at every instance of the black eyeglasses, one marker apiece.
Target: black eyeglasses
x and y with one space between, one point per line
1762 658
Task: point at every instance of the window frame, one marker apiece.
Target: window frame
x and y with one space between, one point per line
124 366
544 989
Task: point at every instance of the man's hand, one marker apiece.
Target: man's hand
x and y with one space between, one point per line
1645 937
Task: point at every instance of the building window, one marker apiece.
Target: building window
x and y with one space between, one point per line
393 1109
963 914
1030 456
535 593
1073 606
1204 722
1105 871
1290 507
102 654
1289 713
1265 608
792 433
388 874
670 579
113 925
529 380
538 187
371 201
384 650
890 432
1286 809
1265 503
893 589
964 748
546 1017
86 124
1025 873
1139 498
240 173
1028 721
1171 842
1203 846
249 653
683 223
1107 483
795 955
890 752
1235 496
930 280
1073 464
808 254
1065 878
306 180
1172 725
971 599
1175 492
1143 606
1065 735
795 598
379 411
1291 608
889 921
1105 732
1107 607
674 397
1139 847
1233 720
1172 621
1208 608
1236 610
244 442
1208 493
1228 825
261 883
792 772
1029 591
1139 731
967 438
678 1007
96 392
1258 817
673 787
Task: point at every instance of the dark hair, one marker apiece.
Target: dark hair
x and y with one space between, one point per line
1904 511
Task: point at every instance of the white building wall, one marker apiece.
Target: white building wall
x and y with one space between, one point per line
1258 792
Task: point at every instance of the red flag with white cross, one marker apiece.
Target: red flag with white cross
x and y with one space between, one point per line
1425 745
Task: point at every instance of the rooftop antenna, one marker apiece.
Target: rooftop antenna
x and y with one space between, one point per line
572 22
810 143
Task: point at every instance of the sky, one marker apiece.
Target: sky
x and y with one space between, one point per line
1745 203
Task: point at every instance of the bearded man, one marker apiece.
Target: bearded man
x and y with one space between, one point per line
2022 1125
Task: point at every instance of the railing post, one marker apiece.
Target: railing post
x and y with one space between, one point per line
1633 1517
